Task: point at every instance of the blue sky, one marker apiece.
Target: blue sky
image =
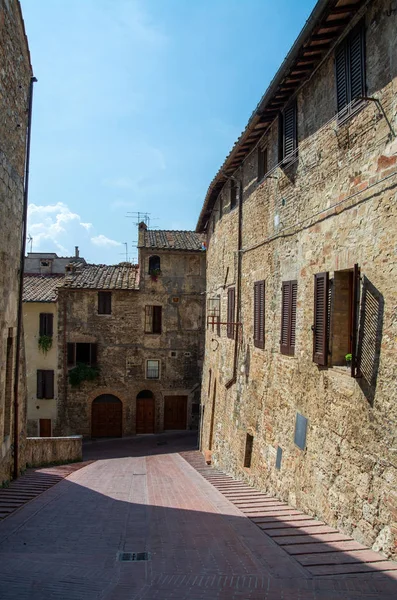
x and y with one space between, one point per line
137 104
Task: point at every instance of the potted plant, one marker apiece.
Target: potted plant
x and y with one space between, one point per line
45 343
154 274
348 359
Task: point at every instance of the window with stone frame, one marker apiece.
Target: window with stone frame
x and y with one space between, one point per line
104 303
152 369
81 352
153 317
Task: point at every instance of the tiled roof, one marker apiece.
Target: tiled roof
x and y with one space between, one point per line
173 240
104 277
41 288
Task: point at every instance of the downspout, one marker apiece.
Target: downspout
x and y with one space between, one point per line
238 324
20 293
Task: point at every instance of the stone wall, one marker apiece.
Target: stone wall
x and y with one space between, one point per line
46 451
124 348
15 73
333 207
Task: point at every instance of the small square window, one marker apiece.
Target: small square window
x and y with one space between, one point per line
152 369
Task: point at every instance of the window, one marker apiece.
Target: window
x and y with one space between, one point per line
288 317
152 369
279 457
262 163
259 314
104 303
233 194
288 138
350 72
335 318
46 324
195 409
230 312
154 265
81 353
249 442
153 319
45 384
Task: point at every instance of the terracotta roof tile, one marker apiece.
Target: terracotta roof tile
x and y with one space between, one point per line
104 277
173 240
41 288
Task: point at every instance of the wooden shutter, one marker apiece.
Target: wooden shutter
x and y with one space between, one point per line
93 355
230 312
40 384
48 384
342 97
46 324
233 194
259 314
289 293
289 131
262 162
356 65
71 354
320 326
355 307
157 310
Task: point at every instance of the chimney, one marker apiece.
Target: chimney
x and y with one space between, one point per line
142 227
76 252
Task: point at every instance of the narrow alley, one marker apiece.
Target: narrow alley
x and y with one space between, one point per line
142 495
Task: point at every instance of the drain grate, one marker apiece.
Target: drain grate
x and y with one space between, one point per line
133 556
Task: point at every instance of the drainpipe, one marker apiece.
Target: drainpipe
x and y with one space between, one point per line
21 268
238 283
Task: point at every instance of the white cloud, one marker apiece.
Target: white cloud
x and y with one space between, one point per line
102 240
55 226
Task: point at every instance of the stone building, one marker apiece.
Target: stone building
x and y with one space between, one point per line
15 81
44 273
134 336
299 387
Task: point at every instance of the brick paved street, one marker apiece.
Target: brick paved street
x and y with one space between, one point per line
140 495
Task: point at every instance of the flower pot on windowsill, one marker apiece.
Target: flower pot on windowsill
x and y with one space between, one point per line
154 274
348 359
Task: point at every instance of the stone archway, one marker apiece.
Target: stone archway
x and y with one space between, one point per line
107 416
145 412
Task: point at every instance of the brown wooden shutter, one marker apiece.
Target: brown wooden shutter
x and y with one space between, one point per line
285 317
262 162
71 354
320 326
289 130
355 307
46 324
49 384
259 314
157 310
230 312
93 355
356 64
40 384
341 81
294 294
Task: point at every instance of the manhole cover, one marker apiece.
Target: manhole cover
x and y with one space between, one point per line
133 556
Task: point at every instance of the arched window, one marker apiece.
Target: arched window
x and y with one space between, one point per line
154 265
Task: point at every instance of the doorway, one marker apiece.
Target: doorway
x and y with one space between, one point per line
107 416
175 412
145 412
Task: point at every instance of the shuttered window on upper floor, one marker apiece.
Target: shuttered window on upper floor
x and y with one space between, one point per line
289 292
262 163
259 314
45 384
288 133
104 303
350 72
46 324
233 194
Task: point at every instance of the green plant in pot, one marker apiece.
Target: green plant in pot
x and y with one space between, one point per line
154 274
82 372
348 359
45 343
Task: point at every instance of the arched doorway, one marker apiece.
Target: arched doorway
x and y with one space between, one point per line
107 416
145 412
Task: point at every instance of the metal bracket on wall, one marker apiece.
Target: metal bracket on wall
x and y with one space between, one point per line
382 110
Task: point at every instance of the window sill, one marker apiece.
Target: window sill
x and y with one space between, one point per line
104 314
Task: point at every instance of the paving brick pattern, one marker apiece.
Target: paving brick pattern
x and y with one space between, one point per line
140 497
322 550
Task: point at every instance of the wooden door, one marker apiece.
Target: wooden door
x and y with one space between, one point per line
145 415
175 412
107 417
45 427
